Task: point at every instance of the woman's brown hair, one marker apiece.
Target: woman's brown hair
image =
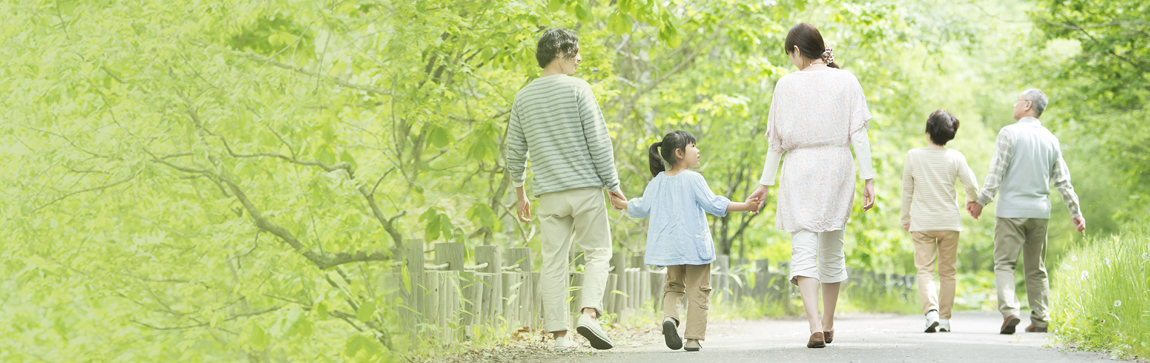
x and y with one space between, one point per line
810 43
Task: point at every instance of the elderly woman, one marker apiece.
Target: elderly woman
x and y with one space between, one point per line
816 114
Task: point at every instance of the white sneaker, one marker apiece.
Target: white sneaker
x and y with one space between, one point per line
931 321
562 344
589 328
944 325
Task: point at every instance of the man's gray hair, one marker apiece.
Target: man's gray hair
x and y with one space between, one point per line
1037 99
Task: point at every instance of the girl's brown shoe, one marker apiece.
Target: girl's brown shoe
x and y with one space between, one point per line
829 336
817 341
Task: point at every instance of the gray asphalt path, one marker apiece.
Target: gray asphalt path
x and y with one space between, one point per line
859 339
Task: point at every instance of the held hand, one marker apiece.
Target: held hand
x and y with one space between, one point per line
523 209
618 195
752 204
1080 224
760 196
618 203
906 227
974 209
868 195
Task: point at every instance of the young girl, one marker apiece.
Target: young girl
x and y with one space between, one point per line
677 236
931 216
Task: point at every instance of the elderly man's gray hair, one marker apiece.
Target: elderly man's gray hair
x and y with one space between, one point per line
1036 98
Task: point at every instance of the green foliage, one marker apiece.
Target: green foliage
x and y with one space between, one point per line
1100 87
199 182
1101 300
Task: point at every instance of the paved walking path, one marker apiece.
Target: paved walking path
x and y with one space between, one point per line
857 339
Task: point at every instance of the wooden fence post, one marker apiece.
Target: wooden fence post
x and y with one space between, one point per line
721 280
415 297
492 278
520 291
453 254
618 302
576 305
785 271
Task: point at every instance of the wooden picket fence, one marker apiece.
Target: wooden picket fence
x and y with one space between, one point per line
448 298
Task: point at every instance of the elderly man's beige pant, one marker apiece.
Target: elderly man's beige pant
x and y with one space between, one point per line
1026 235
576 216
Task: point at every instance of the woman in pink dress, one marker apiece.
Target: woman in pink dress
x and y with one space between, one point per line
816 115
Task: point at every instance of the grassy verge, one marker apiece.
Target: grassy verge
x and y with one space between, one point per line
1100 298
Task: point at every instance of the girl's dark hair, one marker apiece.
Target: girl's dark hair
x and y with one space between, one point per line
554 43
664 151
810 42
941 126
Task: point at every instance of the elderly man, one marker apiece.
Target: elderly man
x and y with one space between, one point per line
1026 158
557 119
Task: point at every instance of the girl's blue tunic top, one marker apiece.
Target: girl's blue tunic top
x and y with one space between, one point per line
678 233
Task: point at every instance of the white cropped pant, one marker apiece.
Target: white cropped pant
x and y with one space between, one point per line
818 255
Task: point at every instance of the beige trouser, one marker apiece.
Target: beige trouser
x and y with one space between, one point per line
1026 235
695 282
576 216
944 244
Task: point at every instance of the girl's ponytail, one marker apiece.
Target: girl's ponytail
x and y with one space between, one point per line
656 161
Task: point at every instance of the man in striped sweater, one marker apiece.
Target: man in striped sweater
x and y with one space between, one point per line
557 119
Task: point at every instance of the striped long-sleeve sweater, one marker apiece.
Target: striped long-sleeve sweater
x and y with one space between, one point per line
928 190
557 119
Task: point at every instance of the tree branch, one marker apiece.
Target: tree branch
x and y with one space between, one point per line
1072 26
396 237
338 81
628 106
102 187
200 325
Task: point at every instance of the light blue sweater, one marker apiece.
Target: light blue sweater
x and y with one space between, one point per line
677 233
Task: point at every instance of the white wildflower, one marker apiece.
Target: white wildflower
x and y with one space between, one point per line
1074 258
1117 303
1106 260
1146 257
1085 275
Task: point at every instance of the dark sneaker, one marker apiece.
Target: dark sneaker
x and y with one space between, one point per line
671 334
1008 324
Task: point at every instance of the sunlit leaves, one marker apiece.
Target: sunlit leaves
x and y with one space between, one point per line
362 349
436 224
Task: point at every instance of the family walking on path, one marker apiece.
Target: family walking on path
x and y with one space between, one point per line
817 115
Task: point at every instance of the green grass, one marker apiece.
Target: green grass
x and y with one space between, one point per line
1100 298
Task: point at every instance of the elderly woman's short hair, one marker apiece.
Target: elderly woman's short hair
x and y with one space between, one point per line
554 43
1037 99
941 126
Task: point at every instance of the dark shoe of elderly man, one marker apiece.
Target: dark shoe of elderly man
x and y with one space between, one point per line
1008 324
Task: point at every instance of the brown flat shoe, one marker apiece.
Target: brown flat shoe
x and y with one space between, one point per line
1035 329
1008 324
829 336
817 341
